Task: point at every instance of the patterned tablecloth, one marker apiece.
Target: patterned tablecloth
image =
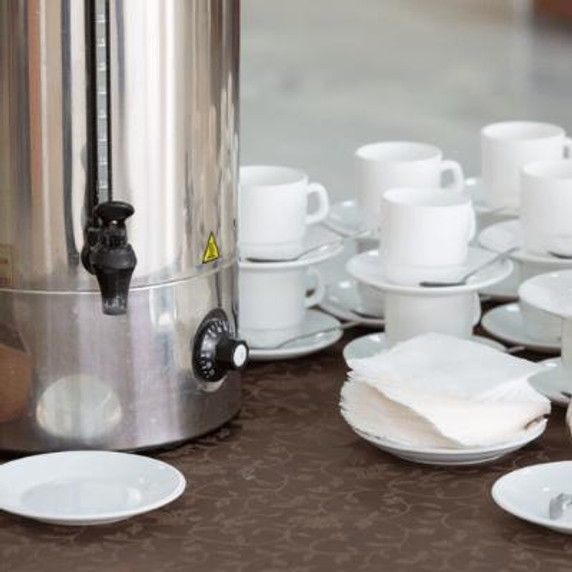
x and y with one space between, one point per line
288 487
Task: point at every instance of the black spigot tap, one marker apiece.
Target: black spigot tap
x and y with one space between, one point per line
111 258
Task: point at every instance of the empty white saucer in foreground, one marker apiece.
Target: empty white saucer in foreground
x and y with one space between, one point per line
554 382
344 218
372 344
507 324
342 300
454 457
526 493
314 322
367 267
87 487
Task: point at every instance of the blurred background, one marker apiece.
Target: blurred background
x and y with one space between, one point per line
321 77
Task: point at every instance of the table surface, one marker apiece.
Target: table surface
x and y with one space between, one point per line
288 486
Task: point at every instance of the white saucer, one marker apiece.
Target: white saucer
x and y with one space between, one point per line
526 493
314 322
344 218
506 323
367 267
342 300
550 292
508 234
474 186
87 487
552 382
504 291
454 457
372 344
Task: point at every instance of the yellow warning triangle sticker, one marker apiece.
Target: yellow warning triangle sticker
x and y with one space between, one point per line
212 252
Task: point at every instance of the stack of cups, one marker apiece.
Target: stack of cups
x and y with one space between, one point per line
525 171
386 165
273 220
425 234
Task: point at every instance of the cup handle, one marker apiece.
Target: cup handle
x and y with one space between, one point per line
324 203
458 183
477 311
568 148
319 288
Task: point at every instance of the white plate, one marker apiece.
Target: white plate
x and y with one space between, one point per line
526 493
87 487
344 218
504 291
342 300
550 292
506 323
508 234
314 322
367 268
372 344
454 457
474 186
553 381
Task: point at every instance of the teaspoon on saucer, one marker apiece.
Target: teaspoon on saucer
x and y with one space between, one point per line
345 326
313 249
465 278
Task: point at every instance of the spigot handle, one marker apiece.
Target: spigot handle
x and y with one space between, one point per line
114 211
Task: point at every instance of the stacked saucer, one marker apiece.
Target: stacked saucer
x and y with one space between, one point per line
280 249
551 293
520 323
412 310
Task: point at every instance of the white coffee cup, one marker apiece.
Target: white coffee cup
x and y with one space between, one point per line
409 315
273 302
506 147
382 166
273 211
546 211
425 234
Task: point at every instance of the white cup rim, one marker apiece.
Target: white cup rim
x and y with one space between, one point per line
521 131
258 176
398 152
555 170
426 197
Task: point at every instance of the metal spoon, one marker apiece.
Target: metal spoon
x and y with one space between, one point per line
465 278
561 256
318 248
345 326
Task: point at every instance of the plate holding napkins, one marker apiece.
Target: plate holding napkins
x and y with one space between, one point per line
440 392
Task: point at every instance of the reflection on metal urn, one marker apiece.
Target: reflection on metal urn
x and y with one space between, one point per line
118 181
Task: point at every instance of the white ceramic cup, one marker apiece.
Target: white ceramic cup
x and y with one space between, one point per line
273 211
506 147
546 210
425 234
273 303
408 316
385 165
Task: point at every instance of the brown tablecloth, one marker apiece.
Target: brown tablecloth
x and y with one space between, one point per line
287 486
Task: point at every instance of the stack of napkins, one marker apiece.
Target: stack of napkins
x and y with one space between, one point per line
440 391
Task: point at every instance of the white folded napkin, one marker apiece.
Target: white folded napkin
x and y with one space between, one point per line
440 391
